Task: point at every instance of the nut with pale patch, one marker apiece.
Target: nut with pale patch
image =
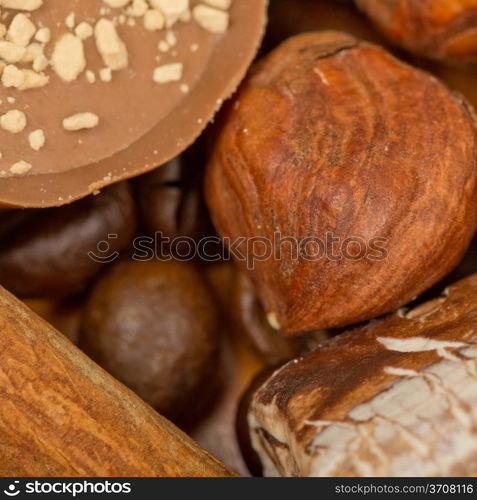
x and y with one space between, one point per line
397 397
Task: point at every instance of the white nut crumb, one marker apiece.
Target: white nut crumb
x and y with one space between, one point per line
105 74
219 4
117 4
68 58
20 167
110 46
33 80
163 46
172 9
40 63
43 35
84 30
168 73
80 121
10 52
213 20
28 5
32 52
138 8
21 30
36 139
90 76
13 121
12 77
70 20
171 38
186 16
154 20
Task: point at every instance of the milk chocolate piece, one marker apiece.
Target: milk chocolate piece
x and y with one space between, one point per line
142 122
56 252
397 397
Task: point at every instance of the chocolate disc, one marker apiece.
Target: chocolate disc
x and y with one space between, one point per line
109 93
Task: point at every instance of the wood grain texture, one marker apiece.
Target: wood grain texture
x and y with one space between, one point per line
397 397
332 136
62 415
438 29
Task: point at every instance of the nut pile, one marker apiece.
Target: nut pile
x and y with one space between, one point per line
291 291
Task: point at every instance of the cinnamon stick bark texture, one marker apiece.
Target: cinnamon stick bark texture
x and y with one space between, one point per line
62 415
397 397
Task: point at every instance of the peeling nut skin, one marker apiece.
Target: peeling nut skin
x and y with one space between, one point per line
63 416
44 253
332 135
153 326
438 29
397 397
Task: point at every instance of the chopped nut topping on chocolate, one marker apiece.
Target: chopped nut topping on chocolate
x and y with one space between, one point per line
211 19
80 121
68 59
110 46
34 51
13 121
36 139
168 73
21 167
28 5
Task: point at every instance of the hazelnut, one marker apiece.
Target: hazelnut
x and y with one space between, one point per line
394 398
46 253
332 136
444 30
153 326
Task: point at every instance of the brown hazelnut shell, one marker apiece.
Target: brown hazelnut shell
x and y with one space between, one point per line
332 135
437 29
